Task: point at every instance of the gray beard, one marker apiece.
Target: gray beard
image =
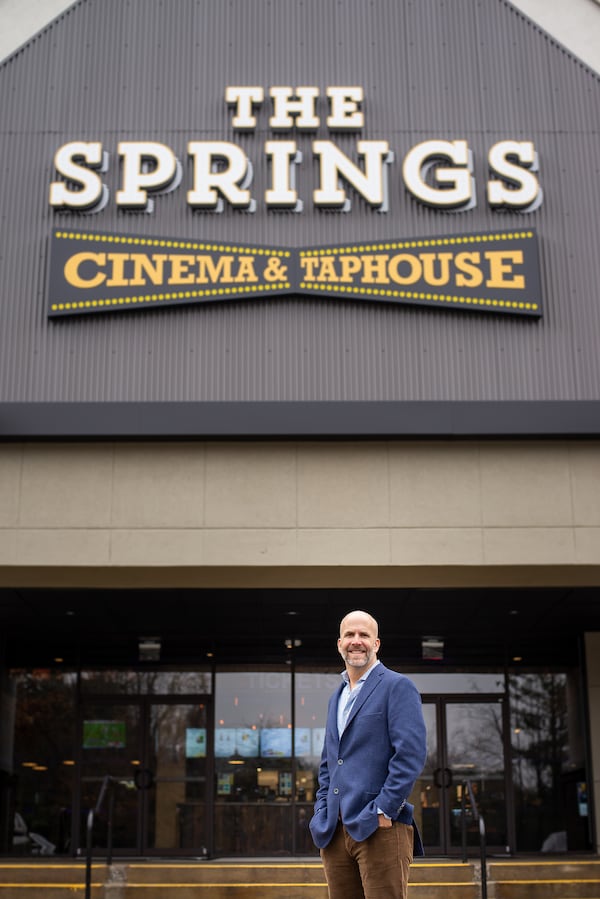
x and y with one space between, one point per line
355 663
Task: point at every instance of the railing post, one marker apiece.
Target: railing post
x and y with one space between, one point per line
88 854
109 835
466 786
107 784
463 820
482 852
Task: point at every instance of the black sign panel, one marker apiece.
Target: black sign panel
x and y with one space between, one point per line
494 272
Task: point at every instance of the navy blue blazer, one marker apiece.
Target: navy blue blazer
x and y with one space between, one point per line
375 764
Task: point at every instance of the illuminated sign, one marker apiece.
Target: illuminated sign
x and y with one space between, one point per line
488 272
438 173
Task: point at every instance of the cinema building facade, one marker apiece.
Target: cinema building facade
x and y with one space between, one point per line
298 314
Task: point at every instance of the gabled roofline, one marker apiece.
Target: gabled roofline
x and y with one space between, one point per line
515 9
45 28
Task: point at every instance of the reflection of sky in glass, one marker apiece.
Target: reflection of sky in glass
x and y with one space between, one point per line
312 695
259 698
436 683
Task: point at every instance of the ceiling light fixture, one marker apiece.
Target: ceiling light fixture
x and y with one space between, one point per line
292 644
149 649
432 648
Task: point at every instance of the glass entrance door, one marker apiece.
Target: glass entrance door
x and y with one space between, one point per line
466 741
111 744
157 752
176 813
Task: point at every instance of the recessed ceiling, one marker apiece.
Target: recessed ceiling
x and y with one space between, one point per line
478 627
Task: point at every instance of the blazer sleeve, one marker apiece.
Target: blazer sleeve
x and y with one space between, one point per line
408 739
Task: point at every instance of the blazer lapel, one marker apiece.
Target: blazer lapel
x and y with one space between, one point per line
373 681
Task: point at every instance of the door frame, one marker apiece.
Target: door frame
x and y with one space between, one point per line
440 702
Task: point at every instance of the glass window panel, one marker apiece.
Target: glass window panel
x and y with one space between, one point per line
475 752
436 683
147 682
312 696
44 738
550 781
426 794
178 758
254 784
111 744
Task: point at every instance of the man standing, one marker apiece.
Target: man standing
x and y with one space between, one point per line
375 748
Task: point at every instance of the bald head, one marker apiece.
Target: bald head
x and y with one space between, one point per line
358 613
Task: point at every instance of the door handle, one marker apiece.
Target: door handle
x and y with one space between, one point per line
143 778
442 778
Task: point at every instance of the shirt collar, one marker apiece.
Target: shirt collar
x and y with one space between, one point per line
362 679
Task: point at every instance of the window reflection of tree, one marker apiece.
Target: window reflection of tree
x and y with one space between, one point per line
475 738
540 744
179 782
45 734
540 748
153 683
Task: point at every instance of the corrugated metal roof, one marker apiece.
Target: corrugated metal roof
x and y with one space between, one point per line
116 70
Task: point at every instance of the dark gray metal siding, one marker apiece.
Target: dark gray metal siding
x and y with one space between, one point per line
115 70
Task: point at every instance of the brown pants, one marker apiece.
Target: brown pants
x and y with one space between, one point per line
376 868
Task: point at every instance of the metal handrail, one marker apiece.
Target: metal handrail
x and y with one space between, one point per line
467 788
108 786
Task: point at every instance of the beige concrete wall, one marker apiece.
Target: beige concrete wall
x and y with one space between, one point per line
300 513
592 652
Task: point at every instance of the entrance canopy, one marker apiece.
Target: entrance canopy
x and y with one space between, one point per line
474 626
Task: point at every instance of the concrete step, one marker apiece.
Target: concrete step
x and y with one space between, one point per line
552 879
37 879
298 879
279 880
217 880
